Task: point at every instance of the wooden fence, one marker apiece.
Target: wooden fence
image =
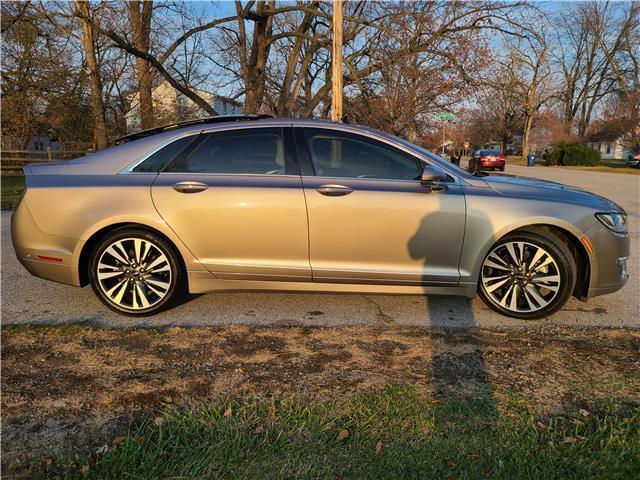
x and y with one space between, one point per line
12 161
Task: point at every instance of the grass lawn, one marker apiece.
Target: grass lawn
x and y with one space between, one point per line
395 432
11 189
296 402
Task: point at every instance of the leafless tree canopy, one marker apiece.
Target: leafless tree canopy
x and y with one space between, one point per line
502 67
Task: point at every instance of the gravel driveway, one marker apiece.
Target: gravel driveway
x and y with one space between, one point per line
29 300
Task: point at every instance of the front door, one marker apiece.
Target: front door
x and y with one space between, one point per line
370 219
236 201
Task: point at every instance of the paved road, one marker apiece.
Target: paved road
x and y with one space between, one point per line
28 300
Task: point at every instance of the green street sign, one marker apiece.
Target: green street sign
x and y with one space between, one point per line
445 116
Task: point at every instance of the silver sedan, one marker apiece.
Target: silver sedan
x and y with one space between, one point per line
250 203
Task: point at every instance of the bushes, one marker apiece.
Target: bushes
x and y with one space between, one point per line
572 153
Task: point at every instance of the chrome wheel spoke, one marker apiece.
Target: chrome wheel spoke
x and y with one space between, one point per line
520 276
125 278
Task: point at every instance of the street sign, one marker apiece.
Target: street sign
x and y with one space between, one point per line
445 116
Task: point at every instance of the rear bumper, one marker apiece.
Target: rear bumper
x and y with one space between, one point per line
33 247
496 164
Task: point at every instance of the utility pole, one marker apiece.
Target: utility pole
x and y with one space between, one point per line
336 67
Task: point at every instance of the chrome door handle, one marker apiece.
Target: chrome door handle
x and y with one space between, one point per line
334 190
190 187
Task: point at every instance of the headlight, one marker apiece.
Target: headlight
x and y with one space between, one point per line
616 222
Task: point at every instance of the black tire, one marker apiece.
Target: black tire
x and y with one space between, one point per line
502 169
566 269
175 278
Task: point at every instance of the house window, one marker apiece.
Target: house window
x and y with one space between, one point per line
608 147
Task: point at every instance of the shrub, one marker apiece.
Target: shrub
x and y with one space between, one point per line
573 153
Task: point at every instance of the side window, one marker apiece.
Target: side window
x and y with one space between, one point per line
341 154
158 160
255 151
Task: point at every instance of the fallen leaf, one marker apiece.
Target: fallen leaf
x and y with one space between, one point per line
84 470
240 370
118 440
567 440
379 447
141 439
159 421
46 461
541 425
344 433
451 464
165 453
259 428
584 412
228 412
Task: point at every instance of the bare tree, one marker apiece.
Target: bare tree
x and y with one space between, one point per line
584 31
100 126
140 14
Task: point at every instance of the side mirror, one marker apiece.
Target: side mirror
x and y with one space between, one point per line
431 175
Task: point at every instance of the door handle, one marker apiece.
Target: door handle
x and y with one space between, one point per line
334 190
190 187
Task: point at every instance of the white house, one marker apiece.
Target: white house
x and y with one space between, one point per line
170 105
608 140
610 149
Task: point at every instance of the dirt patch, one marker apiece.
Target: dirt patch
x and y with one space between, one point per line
65 388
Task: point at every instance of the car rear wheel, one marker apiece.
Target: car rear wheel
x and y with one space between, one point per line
136 273
527 275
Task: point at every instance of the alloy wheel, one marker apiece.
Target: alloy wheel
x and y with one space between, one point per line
134 273
520 276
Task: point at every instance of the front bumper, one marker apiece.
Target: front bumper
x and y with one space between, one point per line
32 245
609 260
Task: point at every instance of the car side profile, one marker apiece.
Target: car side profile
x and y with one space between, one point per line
252 203
487 160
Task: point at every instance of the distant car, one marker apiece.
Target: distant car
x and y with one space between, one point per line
252 203
634 161
487 160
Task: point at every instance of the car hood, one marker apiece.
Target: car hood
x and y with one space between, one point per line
525 187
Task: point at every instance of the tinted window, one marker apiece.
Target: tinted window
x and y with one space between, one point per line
158 160
339 154
259 151
490 152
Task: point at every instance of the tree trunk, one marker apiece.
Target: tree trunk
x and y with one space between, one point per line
254 67
141 28
526 136
97 104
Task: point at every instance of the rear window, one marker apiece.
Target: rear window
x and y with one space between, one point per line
162 157
490 152
247 151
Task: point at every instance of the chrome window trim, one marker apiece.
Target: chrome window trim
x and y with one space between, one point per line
355 129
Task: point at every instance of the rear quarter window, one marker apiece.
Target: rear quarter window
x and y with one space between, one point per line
162 157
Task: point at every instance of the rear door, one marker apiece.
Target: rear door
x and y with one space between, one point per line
236 201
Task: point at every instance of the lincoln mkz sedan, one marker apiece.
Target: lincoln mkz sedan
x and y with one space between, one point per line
263 204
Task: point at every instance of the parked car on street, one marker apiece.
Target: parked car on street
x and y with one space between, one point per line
253 203
634 161
487 160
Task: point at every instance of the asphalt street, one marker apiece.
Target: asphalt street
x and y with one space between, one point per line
29 300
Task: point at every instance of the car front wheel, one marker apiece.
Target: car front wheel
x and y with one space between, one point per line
135 272
527 275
